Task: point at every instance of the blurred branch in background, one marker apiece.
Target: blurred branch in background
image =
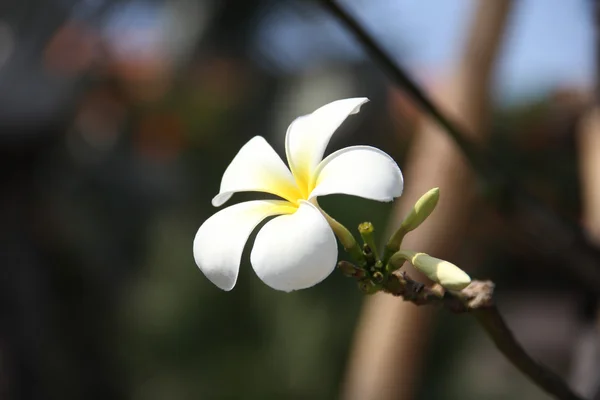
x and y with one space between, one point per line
560 239
585 370
585 373
392 335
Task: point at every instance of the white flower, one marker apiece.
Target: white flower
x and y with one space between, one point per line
297 249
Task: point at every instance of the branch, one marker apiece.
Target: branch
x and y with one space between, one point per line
560 237
477 299
397 74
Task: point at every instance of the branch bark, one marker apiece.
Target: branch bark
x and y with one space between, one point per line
585 365
478 300
493 323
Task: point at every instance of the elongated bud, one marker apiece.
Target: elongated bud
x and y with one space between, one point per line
443 272
417 215
421 210
350 269
366 230
347 268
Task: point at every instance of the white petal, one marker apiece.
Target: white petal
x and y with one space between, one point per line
295 251
220 241
308 136
362 171
257 168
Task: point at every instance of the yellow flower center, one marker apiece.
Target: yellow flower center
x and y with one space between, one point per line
303 175
293 193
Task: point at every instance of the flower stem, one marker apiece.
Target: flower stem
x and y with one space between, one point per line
396 261
345 237
394 244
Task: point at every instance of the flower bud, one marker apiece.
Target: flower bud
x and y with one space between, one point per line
351 270
418 214
347 268
443 272
366 230
421 210
378 277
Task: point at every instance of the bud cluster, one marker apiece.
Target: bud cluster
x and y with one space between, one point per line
374 273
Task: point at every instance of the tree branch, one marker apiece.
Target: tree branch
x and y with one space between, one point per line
401 78
477 299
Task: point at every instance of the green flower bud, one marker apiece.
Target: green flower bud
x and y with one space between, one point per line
347 268
351 270
421 210
378 277
417 215
366 230
443 272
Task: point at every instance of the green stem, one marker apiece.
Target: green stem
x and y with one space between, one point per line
366 230
346 238
398 259
394 244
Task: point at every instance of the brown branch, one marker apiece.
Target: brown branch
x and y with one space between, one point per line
472 152
477 299
493 323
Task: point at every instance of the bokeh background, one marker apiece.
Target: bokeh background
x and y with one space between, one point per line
117 119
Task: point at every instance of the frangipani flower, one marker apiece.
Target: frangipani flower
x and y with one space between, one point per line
296 249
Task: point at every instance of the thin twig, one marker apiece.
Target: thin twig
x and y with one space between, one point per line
493 323
477 299
397 73
560 239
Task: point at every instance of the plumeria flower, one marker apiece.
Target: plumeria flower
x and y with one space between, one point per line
296 249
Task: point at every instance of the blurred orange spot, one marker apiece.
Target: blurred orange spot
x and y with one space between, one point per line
223 79
160 137
146 77
72 49
100 116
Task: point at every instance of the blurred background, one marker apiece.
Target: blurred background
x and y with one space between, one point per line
118 117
